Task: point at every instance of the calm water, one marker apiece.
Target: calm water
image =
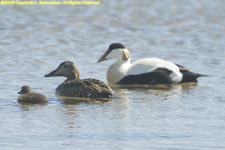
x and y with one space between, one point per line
35 39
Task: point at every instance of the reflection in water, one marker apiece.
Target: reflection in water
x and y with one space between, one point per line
159 86
77 100
29 106
32 41
159 90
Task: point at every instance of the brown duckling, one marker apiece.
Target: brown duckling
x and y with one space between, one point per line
26 96
73 86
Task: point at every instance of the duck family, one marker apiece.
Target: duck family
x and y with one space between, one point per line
145 71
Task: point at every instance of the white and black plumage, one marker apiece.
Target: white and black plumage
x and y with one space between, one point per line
149 71
73 86
26 96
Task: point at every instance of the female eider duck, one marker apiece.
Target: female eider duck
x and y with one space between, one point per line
26 96
148 71
73 86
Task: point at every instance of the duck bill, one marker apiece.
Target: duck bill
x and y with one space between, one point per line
52 74
20 92
103 57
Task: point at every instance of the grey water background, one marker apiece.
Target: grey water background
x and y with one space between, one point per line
35 39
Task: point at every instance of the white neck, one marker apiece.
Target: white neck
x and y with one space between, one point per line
117 70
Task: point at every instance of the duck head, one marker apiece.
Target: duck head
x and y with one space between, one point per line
24 89
115 51
66 69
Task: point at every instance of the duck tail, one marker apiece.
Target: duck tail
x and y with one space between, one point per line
191 76
201 75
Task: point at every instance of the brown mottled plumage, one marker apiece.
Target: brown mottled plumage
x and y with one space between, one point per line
26 96
73 86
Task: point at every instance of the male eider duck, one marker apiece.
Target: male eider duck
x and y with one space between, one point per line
148 71
26 96
73 86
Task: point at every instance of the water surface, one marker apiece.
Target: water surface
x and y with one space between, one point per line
35 39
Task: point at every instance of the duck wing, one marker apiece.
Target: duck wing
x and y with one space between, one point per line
157 76
98 84
81 88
